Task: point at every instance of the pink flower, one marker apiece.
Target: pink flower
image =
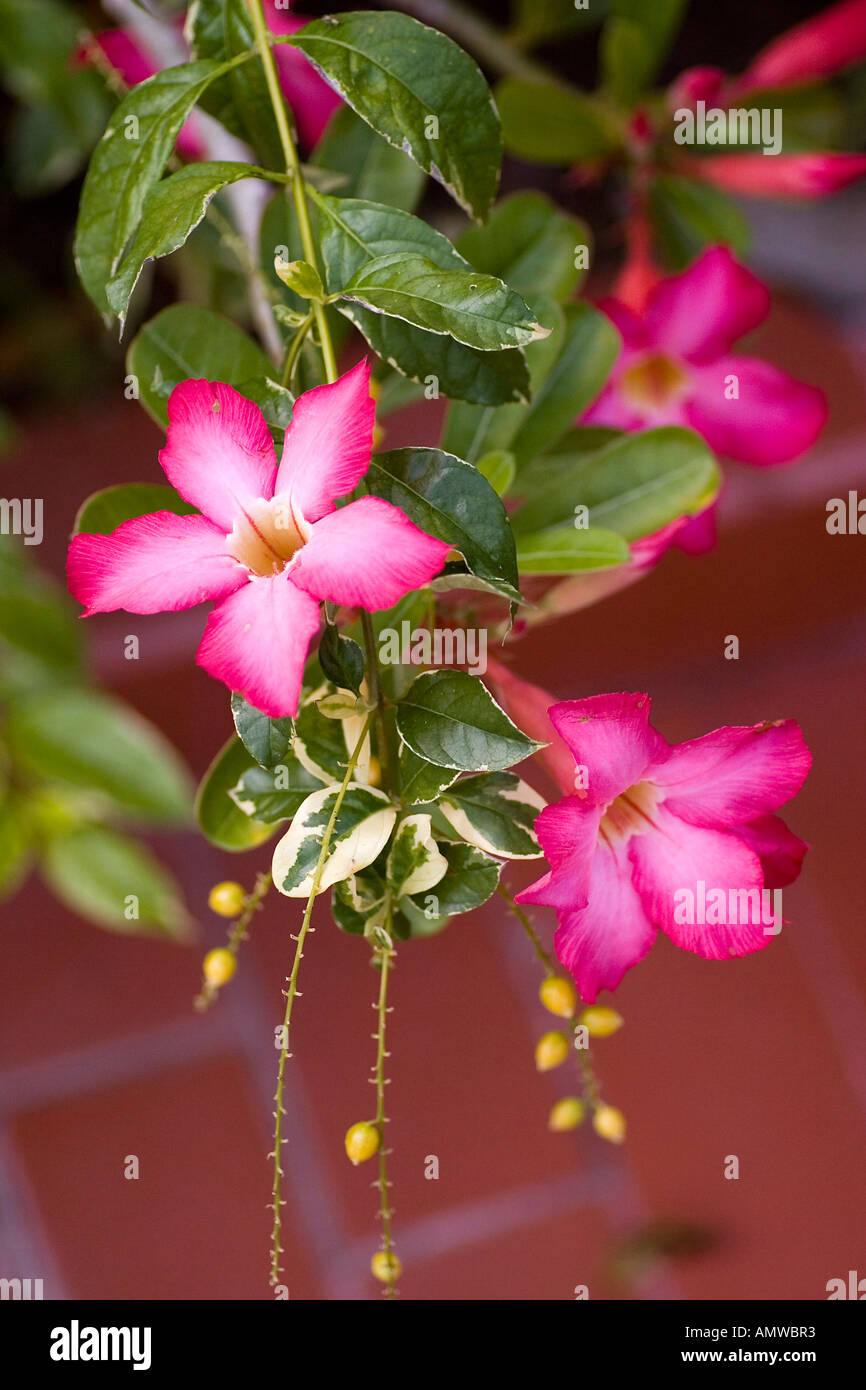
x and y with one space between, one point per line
816 48
649 826
781 176
132 60
268 543
677 368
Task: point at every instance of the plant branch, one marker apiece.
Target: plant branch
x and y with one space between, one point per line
386 956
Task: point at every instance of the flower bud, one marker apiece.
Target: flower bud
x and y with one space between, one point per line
559 996
362 1142
386 1267
600 1021
566 1114
374 771
609 1123
227 899
218 967
551 1051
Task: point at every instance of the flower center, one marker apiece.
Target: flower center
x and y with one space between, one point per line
630 813
267 534
653 383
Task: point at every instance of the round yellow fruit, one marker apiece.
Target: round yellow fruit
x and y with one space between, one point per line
227 899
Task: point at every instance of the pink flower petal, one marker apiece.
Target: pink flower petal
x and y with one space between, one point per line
613 410
816 48
626 321
610 735
781 851
329 442
152 564
679 858
123 51
367 554
694 85
699 314
733 775
781 175
256 642
311 99
774 418
601 941
219 453
568 834
700 532
527 706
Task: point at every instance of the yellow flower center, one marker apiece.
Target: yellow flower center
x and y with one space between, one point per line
653 383
267 534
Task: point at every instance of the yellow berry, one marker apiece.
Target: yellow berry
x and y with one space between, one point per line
378 435
227 899
374 771
600 1021
551 1051
566 1114
362 1142
609 1123
219 966
559 996
386 1268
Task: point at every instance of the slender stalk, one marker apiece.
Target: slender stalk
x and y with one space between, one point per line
293 167
386 956
238 934
294 350
290 994
513 907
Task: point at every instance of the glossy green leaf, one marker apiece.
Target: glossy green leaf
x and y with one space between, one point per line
415 863
374 169
496 813
220 819
185 341
476 309
173 207
530 244
569 551
420 781
267 739
550 124
451 719
83 738
342 660
274 794
472 877
635 486
498 467
397 74
115 882
453 501
688 215
102 512
127 162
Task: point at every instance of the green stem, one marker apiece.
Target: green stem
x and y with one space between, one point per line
386 955
377 694
543 955
294 349
293 167
290 993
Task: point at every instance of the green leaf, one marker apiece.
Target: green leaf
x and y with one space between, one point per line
476 309
471 879
273 794
688 215
590 347
359 901
397 74
320 743
15 844
221 29
126 164
549 124
498 467
633 43
40 636
496 813
530 244
185 341
375 170
420 781
415 863
570 551
536 21
115 882
342 660
361 830
102 512
173 207
635 486
451 719
218 816
354 233
82 738
451 500
268 740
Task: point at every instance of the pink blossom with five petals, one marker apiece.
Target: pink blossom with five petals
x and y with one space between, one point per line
268 542
647 820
